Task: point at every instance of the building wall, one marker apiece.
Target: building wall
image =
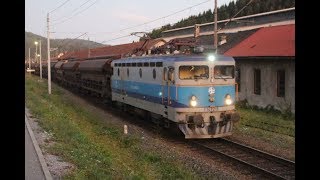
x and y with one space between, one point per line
269 68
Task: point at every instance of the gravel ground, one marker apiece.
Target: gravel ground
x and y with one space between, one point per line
212 168
285 152
207 168
57 167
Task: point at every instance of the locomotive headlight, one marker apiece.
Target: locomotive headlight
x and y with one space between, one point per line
211 57
228 100
193 101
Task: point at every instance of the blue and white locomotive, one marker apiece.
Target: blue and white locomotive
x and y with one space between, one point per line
196 92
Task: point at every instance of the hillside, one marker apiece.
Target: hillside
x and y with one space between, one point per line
61 44
227 11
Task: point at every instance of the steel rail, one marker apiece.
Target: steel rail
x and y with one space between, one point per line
252 153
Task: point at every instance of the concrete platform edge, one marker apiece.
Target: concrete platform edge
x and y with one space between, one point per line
38 150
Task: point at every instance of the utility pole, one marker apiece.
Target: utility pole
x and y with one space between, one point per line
36 53
49 63
196 32
40 61
215 27
29 60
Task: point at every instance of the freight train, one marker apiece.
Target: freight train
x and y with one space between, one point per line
196 93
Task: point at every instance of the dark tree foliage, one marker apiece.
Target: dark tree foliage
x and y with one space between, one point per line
227 11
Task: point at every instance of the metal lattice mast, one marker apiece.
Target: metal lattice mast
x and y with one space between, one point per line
215 27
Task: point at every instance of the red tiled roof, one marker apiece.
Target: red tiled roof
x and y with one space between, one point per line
75 54
267 41
121 49
116 50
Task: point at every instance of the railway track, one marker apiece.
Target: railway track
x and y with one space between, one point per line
264 163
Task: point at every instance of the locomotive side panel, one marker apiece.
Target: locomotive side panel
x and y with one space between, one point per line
137 84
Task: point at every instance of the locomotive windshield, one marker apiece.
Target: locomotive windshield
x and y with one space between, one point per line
193 72
224 72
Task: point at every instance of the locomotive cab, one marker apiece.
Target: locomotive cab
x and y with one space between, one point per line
202 93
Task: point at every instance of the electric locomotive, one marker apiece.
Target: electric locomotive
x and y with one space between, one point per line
195 92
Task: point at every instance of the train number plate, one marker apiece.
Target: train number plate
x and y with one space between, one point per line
210 109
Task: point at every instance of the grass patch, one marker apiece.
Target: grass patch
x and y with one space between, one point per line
267 121
267 126
98 150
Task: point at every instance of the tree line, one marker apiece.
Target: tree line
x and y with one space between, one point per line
226 12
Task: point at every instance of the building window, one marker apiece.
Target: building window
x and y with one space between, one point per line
128 72
238 78
154 74
152 64
257 81
140 73
118 72
281 83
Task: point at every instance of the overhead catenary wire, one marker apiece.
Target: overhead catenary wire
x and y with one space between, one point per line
59 6
62 42
111 32
72 11
230 19
88 37
115 38
135 25
148 22
70 40
75 14
147 30
165 16
59 32
154 19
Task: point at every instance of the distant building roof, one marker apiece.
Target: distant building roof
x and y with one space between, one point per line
231 39
207 41
267 41
117 50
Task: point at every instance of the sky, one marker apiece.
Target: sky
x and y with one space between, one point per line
108 21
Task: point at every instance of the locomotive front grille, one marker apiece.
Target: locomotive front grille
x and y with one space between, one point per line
208 125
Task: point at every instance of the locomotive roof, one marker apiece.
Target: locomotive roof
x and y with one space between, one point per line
175 58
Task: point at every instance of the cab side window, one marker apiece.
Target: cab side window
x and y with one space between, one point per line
171 74
164 74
